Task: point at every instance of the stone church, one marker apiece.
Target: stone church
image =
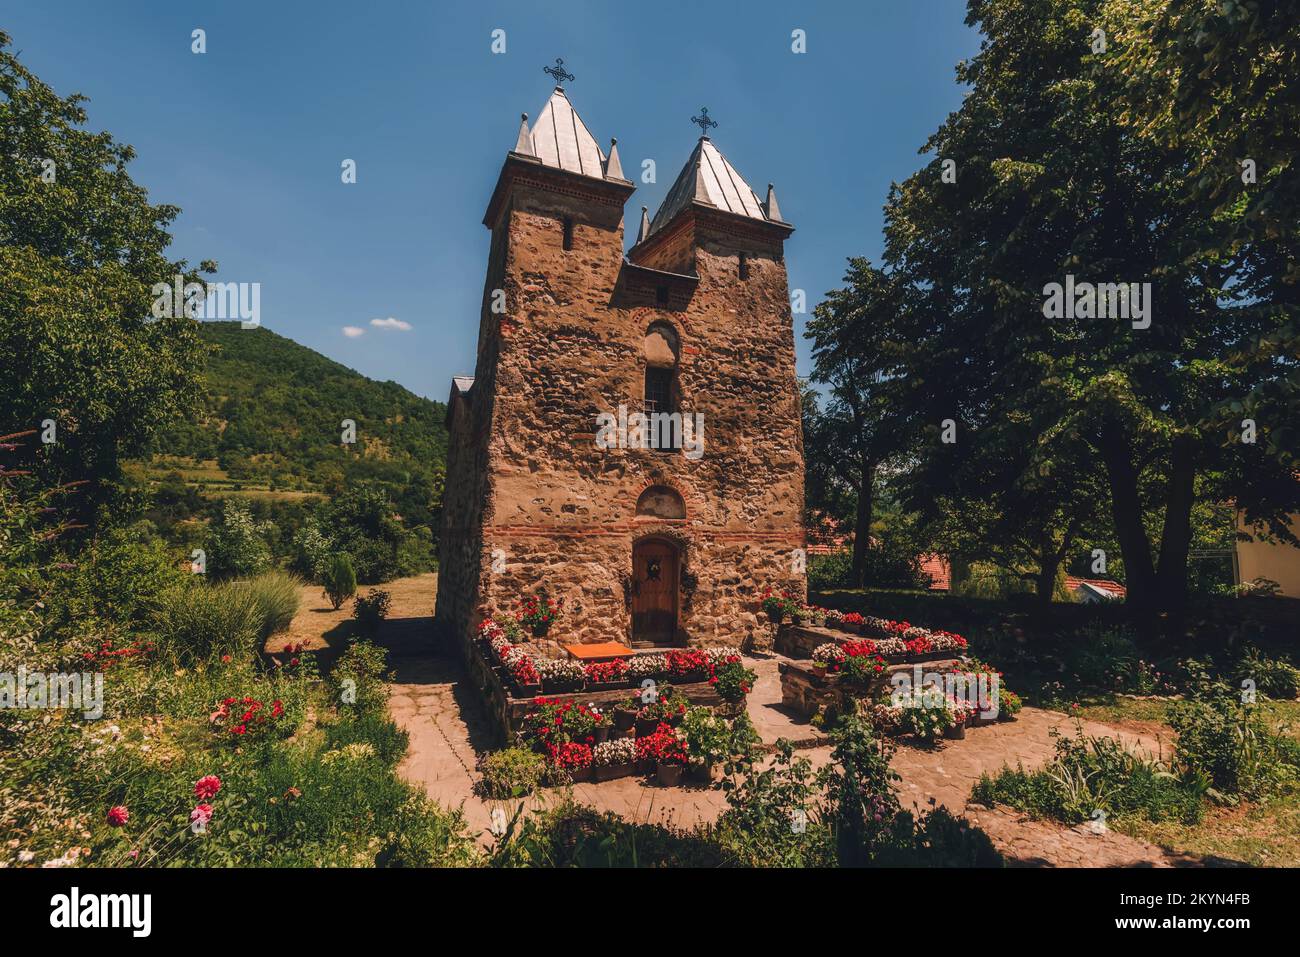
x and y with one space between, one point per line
630 440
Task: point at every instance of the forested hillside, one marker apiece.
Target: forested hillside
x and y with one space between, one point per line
271 421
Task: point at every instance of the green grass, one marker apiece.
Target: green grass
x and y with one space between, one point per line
1262 834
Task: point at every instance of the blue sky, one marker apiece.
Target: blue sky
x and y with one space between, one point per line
248 138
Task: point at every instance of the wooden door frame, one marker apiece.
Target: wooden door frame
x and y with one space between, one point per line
678 550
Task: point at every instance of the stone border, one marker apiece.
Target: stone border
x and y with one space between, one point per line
507 712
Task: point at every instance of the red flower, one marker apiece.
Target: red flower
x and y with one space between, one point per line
206 787
118 816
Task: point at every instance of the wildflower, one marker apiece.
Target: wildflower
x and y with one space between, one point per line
201 815
206 787
118 816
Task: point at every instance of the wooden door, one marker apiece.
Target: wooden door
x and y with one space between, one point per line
654 593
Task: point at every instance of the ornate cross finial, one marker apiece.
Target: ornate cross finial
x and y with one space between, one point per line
559 72
703 121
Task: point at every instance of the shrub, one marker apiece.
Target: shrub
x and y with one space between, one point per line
201 621
1228 743
358 678
339 579
1272 676
238 543
1089 775
511 773
276 595
370 610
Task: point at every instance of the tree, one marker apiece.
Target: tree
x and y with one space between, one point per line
80 249
238 545
1050 185
853 331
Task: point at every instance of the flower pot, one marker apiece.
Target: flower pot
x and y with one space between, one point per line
797 620
608 772
729 709
980 721
669 775
528 691
776 617
594 686
624 721
702 773
541 628
1006 716
818 622
646 726
956 733
582 775
563 687
602 733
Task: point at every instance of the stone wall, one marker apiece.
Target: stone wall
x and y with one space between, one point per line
563 511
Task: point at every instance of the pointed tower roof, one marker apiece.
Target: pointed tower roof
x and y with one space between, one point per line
708 179
561 140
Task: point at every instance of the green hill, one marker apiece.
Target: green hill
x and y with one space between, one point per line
270 426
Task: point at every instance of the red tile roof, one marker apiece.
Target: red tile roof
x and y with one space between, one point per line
1105 584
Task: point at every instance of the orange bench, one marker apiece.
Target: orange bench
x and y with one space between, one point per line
599 651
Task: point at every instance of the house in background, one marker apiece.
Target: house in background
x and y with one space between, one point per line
1276 561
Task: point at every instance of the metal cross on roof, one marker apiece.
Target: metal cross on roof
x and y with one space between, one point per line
559 72
703 121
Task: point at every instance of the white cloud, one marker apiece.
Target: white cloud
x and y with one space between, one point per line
353 331
391 323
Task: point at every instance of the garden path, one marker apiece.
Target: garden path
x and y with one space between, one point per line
434 701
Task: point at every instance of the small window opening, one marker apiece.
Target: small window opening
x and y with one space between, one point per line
568 232
661 295
744 266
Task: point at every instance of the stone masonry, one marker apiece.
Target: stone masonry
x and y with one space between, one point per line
571 328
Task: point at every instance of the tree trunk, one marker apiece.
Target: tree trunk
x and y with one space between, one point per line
862 530
1126 510
1176 538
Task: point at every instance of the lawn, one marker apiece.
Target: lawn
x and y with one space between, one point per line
1261 834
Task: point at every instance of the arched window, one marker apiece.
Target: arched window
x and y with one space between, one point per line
660 501
660 396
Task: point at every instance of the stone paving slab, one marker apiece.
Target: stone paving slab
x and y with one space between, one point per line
433 700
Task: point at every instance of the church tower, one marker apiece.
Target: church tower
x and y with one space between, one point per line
630 440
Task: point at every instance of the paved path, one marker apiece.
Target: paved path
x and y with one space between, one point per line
434 702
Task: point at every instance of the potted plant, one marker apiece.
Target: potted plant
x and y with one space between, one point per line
668 707
732 681
625 715
538 613
851 622
1009 704
923 713
962 712
574 759
527 681
798 614
560 675
604 723
707 737
817 616
613 759
665 752
776 605
606 675
862 669
687 664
